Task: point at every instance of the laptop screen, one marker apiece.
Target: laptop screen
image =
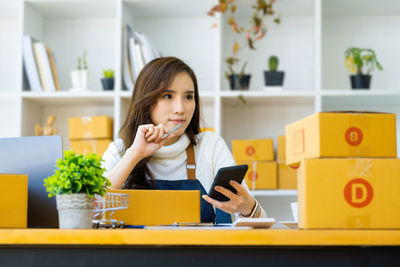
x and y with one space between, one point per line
35 156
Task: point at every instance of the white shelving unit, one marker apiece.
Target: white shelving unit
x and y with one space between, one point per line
310 43
272 193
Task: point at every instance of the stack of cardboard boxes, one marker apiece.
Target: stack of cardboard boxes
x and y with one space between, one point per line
287 176
258 154
90 134
349 176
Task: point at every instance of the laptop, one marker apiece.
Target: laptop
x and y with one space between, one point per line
35 156
159 207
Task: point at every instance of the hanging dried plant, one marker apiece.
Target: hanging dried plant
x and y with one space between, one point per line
253 33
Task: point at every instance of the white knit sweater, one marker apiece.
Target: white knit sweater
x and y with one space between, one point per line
169 162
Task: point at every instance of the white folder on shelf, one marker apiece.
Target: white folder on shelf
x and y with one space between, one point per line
136 57
127 71
30 66
147 50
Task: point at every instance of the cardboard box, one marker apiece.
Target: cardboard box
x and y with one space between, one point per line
158 207
261 174
207 129
332 134
287 177
90 127
98 146
349 193
253 149
13 200
281 149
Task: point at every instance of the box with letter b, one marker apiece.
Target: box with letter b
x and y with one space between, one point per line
345 134
253 149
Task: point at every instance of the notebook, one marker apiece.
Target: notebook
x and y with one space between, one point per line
159 207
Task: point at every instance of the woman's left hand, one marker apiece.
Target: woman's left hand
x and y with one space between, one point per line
241 202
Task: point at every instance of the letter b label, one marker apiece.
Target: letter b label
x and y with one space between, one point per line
353 136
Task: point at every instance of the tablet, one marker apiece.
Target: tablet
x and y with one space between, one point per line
224 175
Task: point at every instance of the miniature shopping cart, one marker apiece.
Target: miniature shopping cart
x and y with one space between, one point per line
105 207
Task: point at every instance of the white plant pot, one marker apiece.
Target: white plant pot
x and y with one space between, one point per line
80 80
75 211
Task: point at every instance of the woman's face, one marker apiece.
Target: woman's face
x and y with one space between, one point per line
176 105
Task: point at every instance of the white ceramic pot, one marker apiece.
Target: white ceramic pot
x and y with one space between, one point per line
80 80
75 211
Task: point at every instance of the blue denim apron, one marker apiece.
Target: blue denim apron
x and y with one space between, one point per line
207 210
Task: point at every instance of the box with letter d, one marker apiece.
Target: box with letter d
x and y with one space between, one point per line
261 174
352 193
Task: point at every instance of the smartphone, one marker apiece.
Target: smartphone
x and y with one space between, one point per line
224 175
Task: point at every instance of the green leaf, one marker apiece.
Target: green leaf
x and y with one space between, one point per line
77 174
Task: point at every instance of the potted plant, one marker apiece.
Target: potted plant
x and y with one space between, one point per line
238 81
108 79
273 77
81 76
75 182
360 62
252 34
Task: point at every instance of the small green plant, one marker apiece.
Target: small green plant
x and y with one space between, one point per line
109 73
82 61
273 63
357 58
232 72
77 174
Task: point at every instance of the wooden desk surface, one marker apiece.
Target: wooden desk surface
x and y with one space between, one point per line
264 237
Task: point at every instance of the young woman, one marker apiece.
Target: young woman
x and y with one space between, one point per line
165 95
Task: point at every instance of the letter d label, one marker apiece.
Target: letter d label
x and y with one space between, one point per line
358 193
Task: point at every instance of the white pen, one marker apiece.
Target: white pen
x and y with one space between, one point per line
171 131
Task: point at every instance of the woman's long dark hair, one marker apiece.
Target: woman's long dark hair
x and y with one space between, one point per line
152 81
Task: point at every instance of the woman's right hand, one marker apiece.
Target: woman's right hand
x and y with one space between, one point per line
148 140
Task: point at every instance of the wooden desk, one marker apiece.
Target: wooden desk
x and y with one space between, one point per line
53 247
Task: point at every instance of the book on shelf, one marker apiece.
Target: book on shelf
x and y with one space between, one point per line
127 74
43 62
137 52
53 68
136 57
149 53
30 66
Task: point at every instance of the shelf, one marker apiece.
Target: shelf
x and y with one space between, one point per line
267 193
74 9
373 25
207 97
361 8
232 98
169 8
285 8
69 98
363 98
